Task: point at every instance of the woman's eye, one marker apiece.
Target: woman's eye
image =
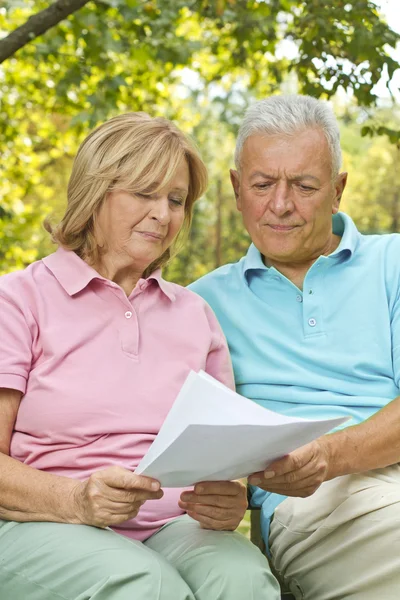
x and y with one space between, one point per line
176 201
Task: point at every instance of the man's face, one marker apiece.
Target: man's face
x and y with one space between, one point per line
286 194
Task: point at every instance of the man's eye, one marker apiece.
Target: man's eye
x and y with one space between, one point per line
262 186
307 188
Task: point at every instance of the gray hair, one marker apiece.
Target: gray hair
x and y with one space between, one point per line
286 115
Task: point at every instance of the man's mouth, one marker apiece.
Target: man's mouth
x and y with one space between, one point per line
282 228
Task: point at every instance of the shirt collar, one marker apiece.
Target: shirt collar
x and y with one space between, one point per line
74 274
342 225
165 286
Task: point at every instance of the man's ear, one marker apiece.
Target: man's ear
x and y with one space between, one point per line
235 180
340 184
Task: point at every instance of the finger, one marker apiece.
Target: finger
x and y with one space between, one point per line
110 516
289 487
214 524
292 462
121 478
222 501
120 508
114 519
223 488
309 470
128 496
213 512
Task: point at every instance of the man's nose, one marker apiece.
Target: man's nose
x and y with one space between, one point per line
281 201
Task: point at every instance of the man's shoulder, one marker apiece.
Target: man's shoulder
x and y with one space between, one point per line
220 279
384 245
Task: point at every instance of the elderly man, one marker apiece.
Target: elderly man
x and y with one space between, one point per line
312 318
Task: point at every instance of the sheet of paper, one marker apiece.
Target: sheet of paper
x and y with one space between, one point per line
213 433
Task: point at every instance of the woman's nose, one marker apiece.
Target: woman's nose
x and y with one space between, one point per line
161 211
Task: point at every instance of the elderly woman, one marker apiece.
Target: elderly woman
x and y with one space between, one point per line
94 347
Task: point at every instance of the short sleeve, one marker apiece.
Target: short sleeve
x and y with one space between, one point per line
395 325
219 364
15 346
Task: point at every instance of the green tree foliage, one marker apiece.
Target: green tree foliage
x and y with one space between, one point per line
112 56
372 196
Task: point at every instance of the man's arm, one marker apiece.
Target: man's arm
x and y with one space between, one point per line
373 444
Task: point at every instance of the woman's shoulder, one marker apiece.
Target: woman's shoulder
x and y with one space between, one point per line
15 286
186 297
183 294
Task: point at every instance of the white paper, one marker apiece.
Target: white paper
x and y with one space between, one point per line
213 434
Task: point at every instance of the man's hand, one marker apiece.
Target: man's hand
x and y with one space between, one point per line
300 473
112 496
218 505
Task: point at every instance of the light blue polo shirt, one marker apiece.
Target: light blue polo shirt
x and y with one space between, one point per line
329 350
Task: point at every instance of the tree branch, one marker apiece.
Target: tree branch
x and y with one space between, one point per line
37 25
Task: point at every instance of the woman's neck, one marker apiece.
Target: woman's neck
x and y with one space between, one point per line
124 275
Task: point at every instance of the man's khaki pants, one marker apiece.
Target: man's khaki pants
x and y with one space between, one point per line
343 542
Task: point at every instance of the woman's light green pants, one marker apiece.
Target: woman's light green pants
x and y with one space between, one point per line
52 561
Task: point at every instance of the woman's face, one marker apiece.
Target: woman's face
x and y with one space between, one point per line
136 229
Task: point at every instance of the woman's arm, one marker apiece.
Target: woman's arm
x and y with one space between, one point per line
108 497
27 494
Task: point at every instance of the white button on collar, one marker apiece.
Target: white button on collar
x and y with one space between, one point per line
312 322
128 314
299 298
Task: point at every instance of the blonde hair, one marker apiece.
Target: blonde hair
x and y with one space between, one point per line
133 152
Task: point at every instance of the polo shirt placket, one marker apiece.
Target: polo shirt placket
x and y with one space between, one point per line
128 321
312 317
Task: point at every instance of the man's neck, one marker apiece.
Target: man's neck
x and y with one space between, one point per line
296 272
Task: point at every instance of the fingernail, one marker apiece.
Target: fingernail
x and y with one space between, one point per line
155 486
269 474
255 480
199 489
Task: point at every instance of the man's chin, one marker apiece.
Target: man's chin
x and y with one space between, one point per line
287 255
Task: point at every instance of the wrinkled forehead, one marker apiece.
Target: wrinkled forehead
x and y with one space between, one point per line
303 151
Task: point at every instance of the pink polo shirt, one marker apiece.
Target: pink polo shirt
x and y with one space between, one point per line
100 371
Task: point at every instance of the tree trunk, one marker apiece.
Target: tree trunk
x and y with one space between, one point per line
218 226
394 228
38 24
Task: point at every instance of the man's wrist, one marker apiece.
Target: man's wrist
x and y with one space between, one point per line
334 446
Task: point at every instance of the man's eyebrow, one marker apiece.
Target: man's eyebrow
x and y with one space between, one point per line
305 176
262 174
293 178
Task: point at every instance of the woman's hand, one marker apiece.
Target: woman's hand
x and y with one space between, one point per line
112 496
218 505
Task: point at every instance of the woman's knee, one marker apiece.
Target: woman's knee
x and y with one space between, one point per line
228 567
74 561
130 571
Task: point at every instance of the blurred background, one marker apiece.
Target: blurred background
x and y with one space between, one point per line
67 65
